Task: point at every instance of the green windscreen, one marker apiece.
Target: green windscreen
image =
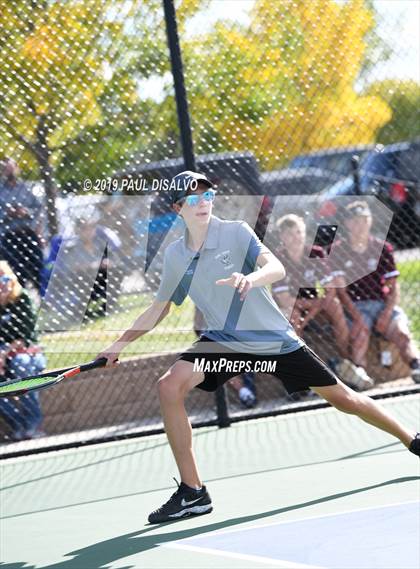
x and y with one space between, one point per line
24 384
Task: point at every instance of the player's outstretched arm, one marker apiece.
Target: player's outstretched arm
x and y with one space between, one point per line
147 320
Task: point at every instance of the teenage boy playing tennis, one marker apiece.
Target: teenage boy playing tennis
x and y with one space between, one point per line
213 257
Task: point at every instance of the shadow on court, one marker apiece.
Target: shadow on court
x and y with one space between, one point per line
384 449
164 444
100 554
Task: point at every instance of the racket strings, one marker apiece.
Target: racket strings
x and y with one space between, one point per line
10 387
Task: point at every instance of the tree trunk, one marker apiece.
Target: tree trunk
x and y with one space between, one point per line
43 155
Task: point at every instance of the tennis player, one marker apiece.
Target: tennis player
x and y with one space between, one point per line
224 268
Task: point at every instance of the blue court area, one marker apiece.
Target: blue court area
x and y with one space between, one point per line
312 489
374 538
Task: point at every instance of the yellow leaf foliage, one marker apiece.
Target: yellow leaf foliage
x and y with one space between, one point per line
287 83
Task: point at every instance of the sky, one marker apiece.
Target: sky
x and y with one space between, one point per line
403 18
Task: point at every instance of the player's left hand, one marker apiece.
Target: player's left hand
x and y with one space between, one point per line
238 281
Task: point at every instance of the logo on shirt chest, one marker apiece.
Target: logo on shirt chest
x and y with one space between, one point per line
225 258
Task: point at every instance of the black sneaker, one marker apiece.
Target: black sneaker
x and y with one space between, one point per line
183 503
415 370
415 445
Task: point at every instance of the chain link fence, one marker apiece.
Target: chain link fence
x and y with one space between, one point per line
293 109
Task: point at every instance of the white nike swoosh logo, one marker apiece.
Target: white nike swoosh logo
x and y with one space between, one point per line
184 503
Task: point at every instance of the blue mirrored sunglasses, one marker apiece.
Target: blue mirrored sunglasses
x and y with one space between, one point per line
196 199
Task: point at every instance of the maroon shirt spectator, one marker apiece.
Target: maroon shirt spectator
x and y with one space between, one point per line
373 285
296 294
371 301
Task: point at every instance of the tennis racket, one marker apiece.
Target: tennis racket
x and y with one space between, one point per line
21 386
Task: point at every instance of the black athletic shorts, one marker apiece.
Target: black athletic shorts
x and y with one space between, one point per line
298 370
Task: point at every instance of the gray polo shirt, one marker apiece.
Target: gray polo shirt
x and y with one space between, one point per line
254 325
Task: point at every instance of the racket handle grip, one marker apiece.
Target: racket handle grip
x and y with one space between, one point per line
101 362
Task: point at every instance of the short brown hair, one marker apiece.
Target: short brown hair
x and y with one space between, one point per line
288 221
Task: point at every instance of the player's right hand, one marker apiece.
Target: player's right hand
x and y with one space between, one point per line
111 357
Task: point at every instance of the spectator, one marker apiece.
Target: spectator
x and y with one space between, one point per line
371 301
302 304
19 356
20 226
83 267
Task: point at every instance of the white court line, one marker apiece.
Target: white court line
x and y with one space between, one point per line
314 517
243 556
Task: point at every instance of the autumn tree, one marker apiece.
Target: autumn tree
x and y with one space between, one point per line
403 97
74 101
285 84
71 100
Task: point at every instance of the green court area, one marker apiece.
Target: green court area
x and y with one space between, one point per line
311 489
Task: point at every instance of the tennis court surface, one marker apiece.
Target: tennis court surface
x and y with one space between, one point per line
313 489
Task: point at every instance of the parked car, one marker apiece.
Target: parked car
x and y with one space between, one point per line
393 175
294 190
296 181
336 160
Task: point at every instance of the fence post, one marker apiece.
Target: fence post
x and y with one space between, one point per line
179 84
356 173
187 143
223 419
